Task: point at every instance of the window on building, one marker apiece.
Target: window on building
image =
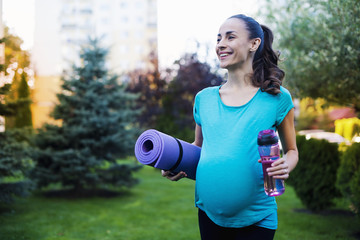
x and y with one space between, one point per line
139 34
139 5
124 64
124 49
124 34
140 19
124 19
123 4
139 49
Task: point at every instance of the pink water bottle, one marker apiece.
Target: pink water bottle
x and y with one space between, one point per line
268 145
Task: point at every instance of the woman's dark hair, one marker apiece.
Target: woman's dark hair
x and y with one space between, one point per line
267 75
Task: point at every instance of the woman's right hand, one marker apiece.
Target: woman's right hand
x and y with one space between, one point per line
172 176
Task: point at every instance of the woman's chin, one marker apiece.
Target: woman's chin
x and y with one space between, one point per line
223 65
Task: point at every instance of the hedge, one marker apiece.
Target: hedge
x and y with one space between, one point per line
349 175
314 178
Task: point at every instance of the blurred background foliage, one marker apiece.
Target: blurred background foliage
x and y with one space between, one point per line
15 109
320 44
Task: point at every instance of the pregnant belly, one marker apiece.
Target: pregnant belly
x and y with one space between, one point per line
227 192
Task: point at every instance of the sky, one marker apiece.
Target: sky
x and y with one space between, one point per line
180 23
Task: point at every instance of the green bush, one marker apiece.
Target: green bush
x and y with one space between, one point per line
314 178
349 175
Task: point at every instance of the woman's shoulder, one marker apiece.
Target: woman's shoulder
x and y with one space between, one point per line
284 90
285 95
208 91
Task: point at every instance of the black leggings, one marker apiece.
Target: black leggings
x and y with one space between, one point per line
210 231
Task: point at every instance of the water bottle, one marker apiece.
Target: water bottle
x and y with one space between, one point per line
268 145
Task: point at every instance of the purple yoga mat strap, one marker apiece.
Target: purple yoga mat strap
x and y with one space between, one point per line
165 152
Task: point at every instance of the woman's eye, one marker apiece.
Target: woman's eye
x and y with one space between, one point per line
230 37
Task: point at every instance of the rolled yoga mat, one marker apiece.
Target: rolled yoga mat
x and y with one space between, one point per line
165 152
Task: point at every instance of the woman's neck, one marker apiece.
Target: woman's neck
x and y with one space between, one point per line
240 78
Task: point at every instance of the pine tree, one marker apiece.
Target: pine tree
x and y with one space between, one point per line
23 116
97 128
10 98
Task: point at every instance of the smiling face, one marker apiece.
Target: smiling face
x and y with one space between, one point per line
234 48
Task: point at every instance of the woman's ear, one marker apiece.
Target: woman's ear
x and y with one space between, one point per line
255 43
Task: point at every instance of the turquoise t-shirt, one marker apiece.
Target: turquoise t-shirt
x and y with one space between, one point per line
229 178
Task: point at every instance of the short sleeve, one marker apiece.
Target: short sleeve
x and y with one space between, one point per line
285 104
196 110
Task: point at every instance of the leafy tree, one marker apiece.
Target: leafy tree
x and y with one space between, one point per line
16 60
97 128
192 76
13 52
320 41
6 109
151 87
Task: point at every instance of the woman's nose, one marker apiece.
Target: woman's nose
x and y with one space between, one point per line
221 44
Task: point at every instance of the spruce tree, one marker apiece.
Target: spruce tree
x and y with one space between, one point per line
11 98
23 116
97 129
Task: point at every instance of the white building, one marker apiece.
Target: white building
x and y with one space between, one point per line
127 27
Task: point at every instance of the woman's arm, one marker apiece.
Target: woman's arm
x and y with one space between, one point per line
282 168
198 136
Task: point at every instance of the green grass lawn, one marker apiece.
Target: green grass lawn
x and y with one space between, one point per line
156 209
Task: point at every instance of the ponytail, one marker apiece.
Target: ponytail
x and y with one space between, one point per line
267 75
